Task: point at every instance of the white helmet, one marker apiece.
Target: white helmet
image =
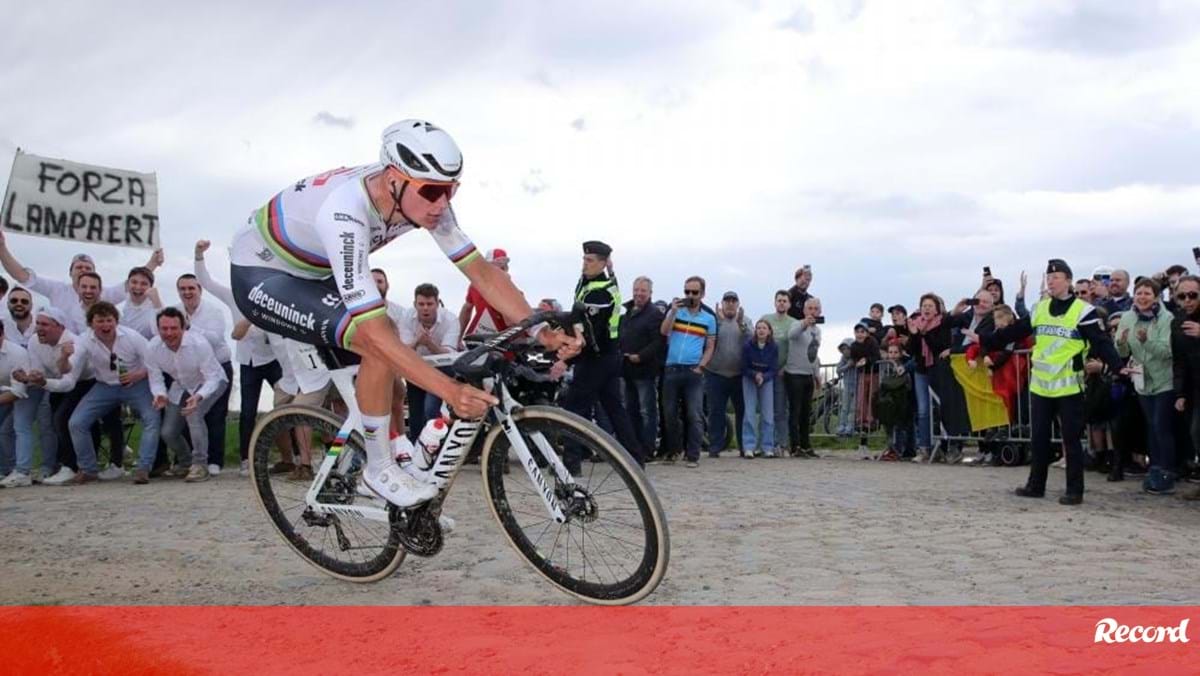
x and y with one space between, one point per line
421 150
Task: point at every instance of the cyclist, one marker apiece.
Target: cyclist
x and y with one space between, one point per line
299 268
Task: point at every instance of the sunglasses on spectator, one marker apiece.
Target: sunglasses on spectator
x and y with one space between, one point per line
689 292
112 361
1187 295
17 301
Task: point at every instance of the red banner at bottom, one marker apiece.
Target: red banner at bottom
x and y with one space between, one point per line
555 640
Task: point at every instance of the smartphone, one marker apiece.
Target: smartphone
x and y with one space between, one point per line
987 271
820 320
972 302
1196 253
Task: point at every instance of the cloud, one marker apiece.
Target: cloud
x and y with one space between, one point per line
1107 27
329 119
801 21
533 183
578 124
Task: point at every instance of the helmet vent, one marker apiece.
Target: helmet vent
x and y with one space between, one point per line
410 159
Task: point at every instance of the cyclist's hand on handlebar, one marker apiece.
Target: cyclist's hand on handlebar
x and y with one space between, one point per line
565 346
470 403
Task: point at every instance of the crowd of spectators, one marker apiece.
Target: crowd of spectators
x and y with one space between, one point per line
69 366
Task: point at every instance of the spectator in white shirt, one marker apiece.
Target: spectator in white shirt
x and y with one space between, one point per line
117 357
61 294
140 308
256 360
19 322
395 311
15 463
206 320
198 383
44 381
428 329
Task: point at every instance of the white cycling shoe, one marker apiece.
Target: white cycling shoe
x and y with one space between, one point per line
397 486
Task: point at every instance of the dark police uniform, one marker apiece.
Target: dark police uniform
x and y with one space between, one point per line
598 367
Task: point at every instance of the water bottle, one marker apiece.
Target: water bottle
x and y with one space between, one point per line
430 442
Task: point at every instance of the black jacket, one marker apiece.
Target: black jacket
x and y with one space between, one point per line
1185 358
938 341
797 298
963 321
640 335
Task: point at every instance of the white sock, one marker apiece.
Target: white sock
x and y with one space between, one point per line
375 433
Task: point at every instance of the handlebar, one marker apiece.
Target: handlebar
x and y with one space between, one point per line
474 364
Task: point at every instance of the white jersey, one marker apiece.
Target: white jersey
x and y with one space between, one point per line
325 225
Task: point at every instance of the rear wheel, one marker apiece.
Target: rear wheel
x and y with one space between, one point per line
346 546
614 547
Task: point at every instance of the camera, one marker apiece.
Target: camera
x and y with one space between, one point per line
971 302
819 320
1196 252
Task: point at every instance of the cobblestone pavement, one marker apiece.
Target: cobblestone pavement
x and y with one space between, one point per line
831 531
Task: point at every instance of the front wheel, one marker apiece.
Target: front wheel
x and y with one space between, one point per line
614 547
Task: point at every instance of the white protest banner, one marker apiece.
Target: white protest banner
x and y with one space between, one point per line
81 202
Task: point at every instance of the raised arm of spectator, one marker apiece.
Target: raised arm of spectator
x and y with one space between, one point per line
11 265
668 321
220 291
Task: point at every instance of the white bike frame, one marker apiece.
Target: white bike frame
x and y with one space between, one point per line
451 456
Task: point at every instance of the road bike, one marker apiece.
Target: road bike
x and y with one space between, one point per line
601 536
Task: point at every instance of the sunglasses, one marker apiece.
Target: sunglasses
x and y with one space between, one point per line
689 292
17 301
432 191
112 361
1187 295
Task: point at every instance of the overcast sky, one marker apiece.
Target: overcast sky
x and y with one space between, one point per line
896 147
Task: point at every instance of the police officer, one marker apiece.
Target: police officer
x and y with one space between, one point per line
1063 326
598 367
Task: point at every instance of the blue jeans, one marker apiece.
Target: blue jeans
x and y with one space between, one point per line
760 404
103 398
250 380
720 389
921 385
780 400
422 407
216 419
641 400
1159 410
19 415
849 397
682 381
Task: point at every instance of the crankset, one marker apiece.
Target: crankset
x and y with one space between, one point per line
418 529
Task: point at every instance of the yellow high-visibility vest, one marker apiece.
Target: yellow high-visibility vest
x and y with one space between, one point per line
1057 344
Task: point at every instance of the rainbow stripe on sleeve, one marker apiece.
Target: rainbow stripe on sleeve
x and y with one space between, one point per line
464 256
354 316
270 222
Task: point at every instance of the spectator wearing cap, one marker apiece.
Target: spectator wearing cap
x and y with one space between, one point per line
116 355
15 462
61 294
723 377
781 322
799 373
197 381
207 321
597 374
428 329
1144 333
691 331
929 342
798 295
898 332
1185 361
395 311
256 359
43 380
1063 328
642 351
476 314
142 304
